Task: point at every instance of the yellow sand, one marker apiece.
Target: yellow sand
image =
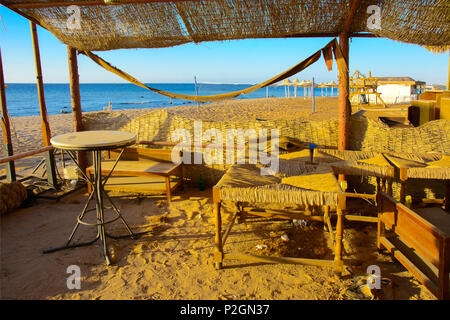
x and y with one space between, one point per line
176 259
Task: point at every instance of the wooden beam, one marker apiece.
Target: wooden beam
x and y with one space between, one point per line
344 92
25 154
6 129
76 101
45 127
21 14
345 109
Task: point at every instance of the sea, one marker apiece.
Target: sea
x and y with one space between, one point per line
22 98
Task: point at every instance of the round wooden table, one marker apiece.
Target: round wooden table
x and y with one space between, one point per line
95 142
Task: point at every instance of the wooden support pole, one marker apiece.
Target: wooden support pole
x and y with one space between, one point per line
338 244
344 86
45 127
218 253
46 135
6 129
76 100
344 102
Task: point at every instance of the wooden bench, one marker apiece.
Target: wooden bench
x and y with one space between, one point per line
419 240
142 170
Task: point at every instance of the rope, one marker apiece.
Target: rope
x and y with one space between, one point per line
286 74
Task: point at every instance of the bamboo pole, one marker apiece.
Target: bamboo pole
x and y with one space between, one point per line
76 101
45 127
6 129
344 102
46 134
218 252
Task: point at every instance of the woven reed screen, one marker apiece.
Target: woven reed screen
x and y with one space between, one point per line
165 24
366 135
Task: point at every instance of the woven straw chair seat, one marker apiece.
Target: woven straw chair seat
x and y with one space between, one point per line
246 183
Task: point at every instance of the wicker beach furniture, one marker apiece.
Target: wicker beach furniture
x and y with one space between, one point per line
247 187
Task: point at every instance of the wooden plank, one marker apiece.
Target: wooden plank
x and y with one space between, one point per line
6 128
437 217
417 273
141 185
283 214
360 218
25 154
142 154
138 167
267 259
414 229
360 195
45 127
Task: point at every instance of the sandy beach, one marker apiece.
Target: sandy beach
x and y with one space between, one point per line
175 260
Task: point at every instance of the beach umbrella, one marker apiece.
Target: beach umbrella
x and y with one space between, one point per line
288 84
308 86
302 84
295 83
332 85
285 83
322 85
282 84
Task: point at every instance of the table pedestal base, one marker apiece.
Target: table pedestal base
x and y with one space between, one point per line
98 193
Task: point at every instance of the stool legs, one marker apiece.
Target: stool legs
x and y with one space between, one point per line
338 246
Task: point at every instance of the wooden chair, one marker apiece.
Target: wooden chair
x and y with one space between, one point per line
419 240
142 170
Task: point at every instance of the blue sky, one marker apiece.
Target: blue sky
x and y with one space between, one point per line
242 61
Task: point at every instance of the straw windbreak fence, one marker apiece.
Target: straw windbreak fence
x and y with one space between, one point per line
137 24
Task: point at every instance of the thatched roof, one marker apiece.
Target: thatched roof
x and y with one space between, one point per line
153 23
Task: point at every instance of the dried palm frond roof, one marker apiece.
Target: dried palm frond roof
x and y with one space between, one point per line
153 23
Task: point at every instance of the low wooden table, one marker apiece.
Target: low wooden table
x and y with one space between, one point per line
96 142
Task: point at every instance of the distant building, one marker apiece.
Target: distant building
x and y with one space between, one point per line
398 90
